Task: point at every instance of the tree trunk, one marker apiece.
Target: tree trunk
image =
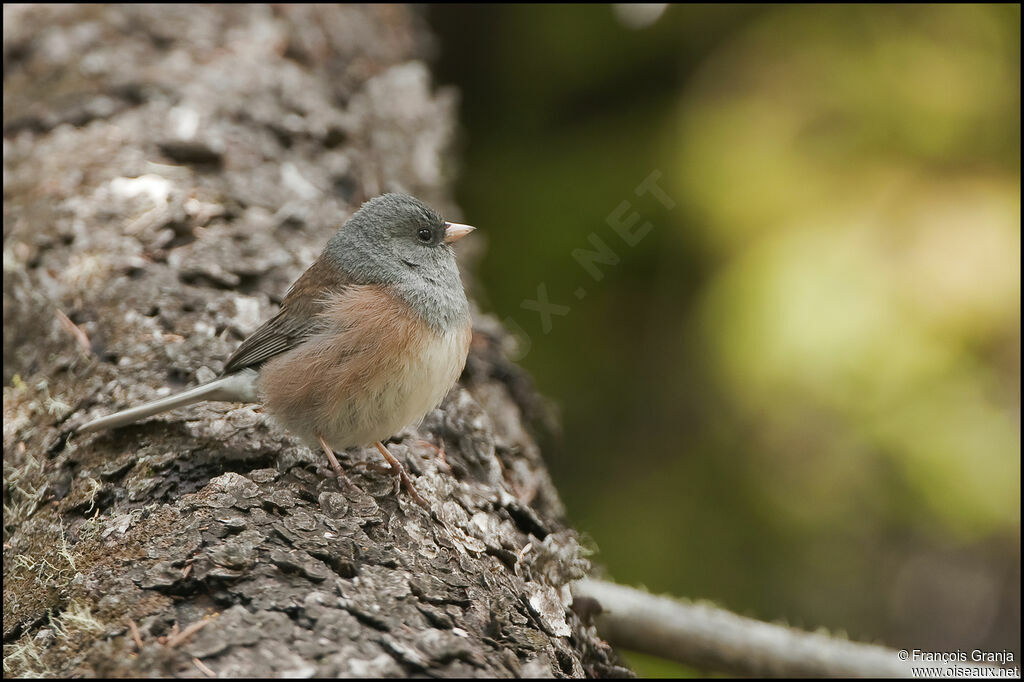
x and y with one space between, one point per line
168 171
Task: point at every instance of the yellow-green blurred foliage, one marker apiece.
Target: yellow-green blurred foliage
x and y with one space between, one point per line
799 395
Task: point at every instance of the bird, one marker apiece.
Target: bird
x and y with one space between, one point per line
368 340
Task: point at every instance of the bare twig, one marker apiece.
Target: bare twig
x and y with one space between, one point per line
135 634
713 639
203 668
180 637
76 331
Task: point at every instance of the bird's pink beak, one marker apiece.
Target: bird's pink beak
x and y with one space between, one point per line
456 231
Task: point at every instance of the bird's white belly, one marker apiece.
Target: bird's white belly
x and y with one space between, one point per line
399 395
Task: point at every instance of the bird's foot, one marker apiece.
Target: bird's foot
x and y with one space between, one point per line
439 450
401 477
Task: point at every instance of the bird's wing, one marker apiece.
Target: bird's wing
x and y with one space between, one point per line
298 319
277 335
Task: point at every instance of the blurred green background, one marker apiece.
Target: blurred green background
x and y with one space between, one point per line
798 394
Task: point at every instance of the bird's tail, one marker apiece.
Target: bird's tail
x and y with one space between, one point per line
236 387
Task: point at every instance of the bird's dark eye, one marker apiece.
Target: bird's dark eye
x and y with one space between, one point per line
424 235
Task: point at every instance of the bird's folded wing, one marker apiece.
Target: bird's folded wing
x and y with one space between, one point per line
277 335
298 319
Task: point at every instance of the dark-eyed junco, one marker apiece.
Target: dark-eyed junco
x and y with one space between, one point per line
368 340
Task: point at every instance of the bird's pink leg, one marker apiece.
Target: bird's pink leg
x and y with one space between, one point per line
399 471
342 478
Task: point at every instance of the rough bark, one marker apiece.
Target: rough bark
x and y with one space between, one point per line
168 171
